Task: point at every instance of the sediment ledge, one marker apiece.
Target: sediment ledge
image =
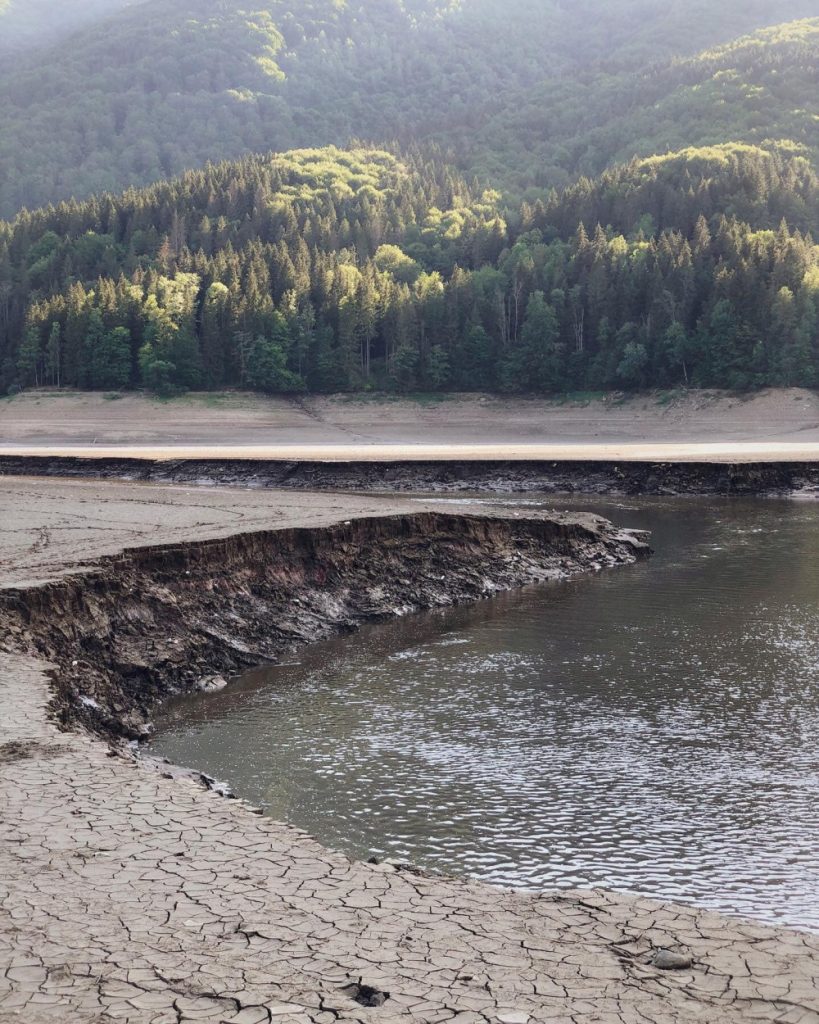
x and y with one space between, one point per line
128 895
515 477
159 620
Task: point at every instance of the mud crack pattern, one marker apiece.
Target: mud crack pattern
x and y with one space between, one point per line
126 896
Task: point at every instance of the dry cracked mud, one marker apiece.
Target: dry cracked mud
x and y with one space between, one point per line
129 896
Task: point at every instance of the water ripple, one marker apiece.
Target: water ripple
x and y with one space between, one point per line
651 730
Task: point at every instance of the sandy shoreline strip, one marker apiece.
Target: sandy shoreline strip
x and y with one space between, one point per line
719 453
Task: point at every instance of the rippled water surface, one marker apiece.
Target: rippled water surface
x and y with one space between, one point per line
654 729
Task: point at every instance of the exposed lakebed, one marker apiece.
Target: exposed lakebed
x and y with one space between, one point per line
654 729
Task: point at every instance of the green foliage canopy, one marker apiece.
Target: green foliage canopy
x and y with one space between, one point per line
335 269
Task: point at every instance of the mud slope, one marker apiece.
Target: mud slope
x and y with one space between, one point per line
158 620
60 418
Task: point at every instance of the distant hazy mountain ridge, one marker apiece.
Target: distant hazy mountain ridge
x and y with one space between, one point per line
30 23
524 92
759 89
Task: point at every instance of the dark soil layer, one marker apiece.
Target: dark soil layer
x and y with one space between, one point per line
157 621
628 478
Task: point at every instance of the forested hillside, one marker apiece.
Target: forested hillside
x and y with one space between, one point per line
330 270
757 89
164 87
566 195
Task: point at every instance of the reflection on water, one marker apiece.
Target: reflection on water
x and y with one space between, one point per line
653 729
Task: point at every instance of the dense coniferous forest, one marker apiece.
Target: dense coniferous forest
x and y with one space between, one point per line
575 196
335 270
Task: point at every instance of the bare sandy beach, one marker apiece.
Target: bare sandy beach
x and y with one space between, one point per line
55 527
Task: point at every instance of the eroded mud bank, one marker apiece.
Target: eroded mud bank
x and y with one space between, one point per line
129 895
156 621
519 477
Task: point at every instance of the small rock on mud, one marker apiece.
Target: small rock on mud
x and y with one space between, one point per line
667 960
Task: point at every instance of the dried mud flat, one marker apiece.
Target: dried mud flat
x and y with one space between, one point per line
51 527
126 895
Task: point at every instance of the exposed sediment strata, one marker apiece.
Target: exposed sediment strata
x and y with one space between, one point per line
127 896
519 477
155 621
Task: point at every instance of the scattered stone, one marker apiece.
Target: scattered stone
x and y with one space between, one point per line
10 752
211 684
134 726
16 751
215 786
396 865
667 960
366 995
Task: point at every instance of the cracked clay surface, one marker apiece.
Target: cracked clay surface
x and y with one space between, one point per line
125 896
129 896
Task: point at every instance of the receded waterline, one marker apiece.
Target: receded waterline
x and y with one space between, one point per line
652 729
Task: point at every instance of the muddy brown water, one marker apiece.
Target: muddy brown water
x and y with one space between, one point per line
653 729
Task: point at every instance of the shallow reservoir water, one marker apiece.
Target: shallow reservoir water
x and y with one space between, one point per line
653 729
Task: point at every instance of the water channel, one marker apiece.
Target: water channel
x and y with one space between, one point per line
653 729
